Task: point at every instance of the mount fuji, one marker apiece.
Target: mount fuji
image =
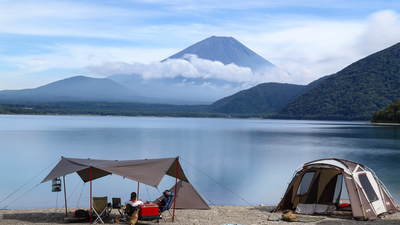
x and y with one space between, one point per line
225 66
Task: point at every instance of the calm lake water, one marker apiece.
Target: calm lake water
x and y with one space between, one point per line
229 161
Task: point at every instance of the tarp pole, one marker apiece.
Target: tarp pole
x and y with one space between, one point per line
176 186
138 183
65 197
91 198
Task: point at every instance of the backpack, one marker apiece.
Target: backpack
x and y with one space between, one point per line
80 213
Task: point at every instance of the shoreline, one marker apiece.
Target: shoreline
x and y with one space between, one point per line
386 124
216 215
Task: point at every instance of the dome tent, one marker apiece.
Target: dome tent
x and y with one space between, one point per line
317 187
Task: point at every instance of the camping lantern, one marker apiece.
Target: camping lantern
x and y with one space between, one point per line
56 185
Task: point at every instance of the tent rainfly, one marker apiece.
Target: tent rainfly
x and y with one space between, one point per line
317 187
147 171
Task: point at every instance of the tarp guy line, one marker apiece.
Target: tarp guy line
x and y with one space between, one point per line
80 195
218 183
21 196
24 185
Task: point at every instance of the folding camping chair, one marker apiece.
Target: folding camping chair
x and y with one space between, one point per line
100 206
167 205
116 204
131 211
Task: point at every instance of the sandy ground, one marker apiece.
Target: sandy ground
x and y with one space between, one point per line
219 215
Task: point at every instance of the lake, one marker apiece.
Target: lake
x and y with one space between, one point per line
229 161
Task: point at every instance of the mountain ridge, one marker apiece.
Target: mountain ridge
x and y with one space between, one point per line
265 98
77 88
226 50
354 93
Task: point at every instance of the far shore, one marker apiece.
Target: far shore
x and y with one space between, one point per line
386 124
217 215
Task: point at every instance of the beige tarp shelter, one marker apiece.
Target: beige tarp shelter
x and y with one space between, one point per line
317 187
147 171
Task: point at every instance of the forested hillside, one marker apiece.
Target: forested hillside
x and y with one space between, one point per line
263 99
354 93
389 115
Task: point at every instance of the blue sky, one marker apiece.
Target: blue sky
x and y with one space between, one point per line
45 41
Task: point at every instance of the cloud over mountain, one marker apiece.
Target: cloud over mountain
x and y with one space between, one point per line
190 66
205 71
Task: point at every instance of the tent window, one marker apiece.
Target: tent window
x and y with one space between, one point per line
305 183
369 190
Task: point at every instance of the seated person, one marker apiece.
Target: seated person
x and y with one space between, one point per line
134 203
164 201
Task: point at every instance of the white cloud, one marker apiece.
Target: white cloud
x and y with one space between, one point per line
79 56
191 67
268 4
382 31
65 18
309 48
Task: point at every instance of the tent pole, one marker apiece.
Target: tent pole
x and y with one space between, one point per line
65 197
176 186
91 198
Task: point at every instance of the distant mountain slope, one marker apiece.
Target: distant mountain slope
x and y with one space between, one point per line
78 88
354 93
266 98
226 50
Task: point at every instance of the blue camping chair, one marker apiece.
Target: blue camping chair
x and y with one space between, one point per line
168 205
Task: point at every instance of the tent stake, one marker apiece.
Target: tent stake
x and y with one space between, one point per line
65 197
91 199
176 186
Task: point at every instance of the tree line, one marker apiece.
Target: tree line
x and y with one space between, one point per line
389 115
113 109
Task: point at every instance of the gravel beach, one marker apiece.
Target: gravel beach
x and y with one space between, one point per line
217 215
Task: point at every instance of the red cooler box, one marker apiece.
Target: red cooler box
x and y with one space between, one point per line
148 212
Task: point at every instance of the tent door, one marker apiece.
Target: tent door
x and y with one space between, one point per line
371 189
